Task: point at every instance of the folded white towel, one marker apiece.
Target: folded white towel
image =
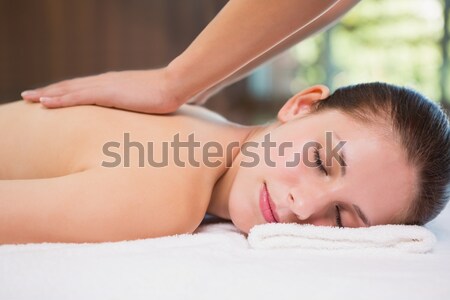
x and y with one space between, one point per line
403 238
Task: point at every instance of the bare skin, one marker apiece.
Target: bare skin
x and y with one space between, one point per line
55 187
50 166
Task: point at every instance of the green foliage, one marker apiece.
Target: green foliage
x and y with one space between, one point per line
379 40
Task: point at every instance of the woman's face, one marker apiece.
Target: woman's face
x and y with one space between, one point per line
372 186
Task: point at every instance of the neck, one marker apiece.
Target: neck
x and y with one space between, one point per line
218 204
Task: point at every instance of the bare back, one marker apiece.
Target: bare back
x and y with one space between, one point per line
41 144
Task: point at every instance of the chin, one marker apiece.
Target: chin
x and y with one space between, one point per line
241 207
241 222
243 229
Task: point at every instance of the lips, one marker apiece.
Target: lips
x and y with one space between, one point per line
267 206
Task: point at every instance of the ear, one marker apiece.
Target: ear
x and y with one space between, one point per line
301 103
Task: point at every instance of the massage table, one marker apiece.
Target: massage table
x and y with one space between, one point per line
216 262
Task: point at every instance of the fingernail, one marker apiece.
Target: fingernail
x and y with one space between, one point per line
45 99
28 93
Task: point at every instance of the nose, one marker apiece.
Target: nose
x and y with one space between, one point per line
307 203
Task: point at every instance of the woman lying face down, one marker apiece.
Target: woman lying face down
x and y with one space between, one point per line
366 155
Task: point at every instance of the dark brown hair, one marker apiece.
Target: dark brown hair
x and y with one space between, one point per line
422 129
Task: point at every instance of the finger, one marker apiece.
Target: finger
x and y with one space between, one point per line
35 95
59 88
69 82
30 95
83 97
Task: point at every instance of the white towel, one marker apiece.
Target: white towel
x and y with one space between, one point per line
397 238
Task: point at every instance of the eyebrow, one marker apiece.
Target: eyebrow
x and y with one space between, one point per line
341 157
361 215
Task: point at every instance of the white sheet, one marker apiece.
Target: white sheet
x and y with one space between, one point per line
217 263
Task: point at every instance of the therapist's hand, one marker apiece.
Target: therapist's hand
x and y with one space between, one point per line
148 91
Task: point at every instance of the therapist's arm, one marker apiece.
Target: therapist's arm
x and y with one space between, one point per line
241 33
326 20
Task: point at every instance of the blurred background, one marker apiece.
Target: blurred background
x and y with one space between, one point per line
404 42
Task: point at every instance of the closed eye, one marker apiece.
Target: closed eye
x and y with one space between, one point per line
318 161
338 217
